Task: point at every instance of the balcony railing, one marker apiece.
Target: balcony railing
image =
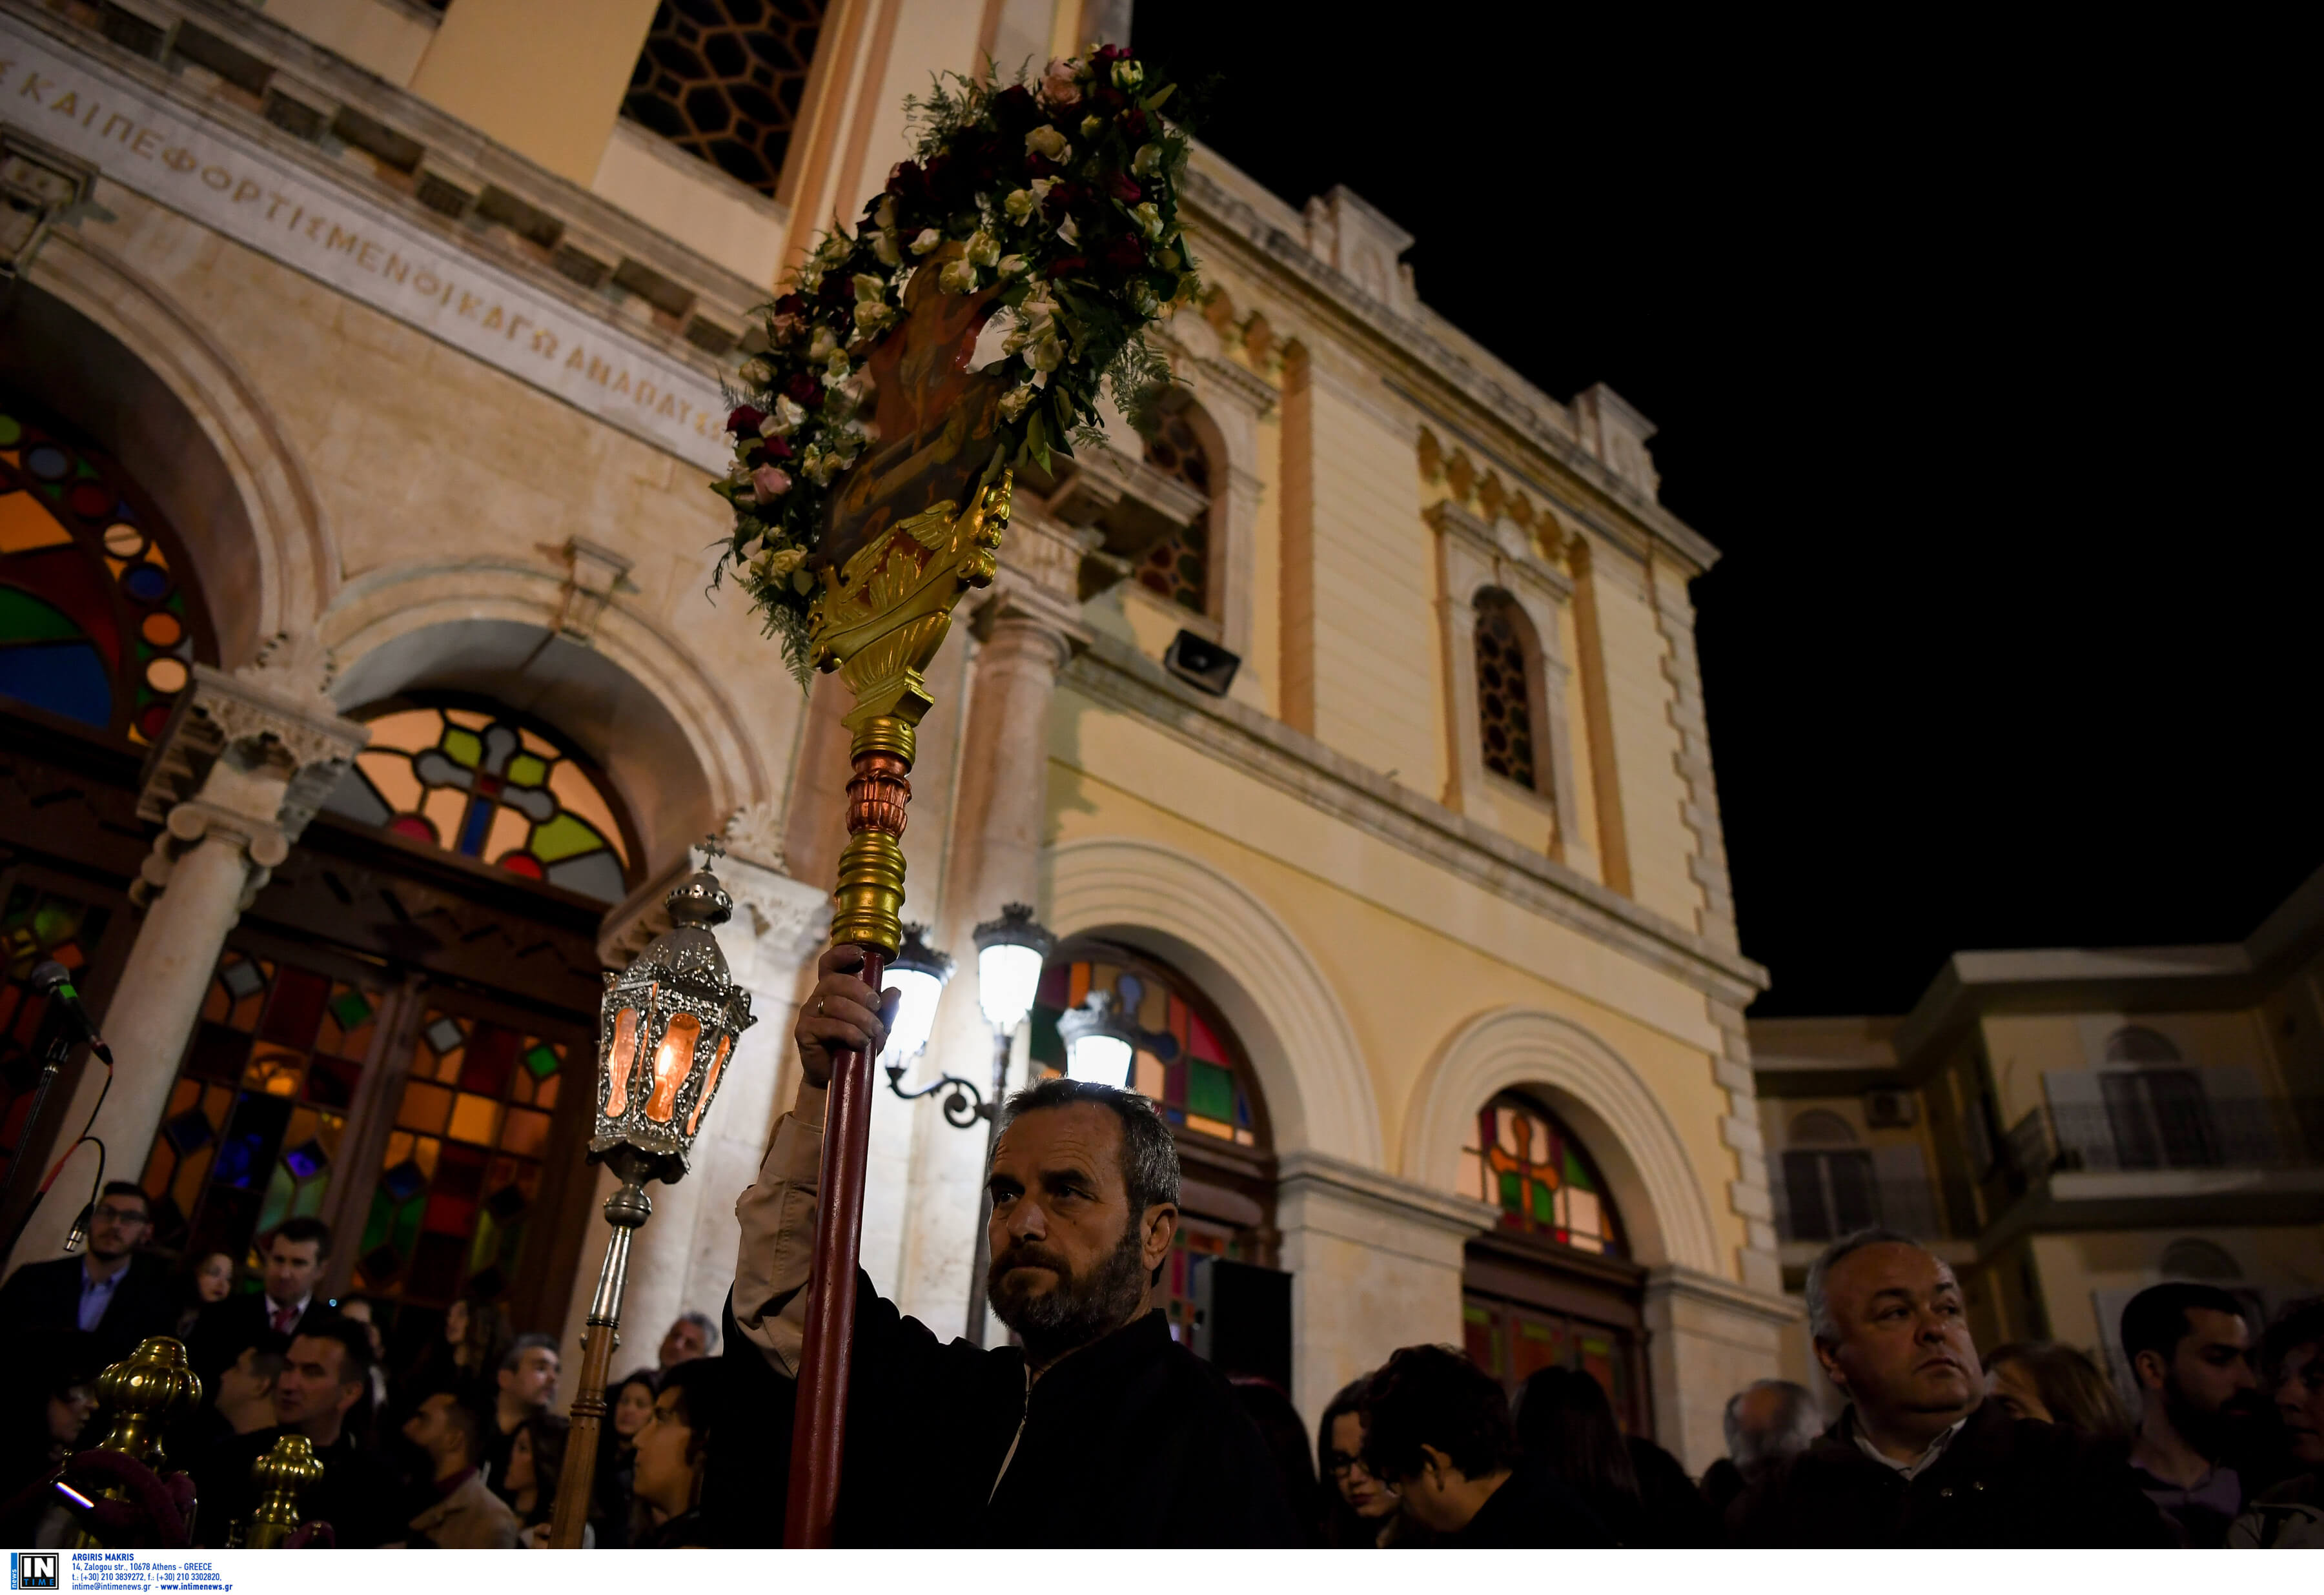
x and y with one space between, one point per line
2149 1132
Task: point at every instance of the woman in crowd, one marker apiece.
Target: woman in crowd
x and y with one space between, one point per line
43 1409
670 1452
1359 1512
629 1407
1286 1442
2289 1515
211 1280
536 1462
1568 1430
465 1359
2056 1384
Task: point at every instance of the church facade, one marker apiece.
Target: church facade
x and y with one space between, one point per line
363 690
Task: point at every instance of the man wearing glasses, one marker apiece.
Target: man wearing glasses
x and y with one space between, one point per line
111 1291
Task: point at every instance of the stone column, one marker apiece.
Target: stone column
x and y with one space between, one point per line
1375 1264
683 1258
1706 1339
1029 628
245 762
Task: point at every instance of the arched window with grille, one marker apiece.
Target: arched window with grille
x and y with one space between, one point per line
1188 1062
482 782
100 621
1509 670
1179 566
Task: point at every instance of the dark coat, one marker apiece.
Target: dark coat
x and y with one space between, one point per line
1133 1441
1677 1517
359 1494
1532 1511
2002 1482
47 1296
224 1330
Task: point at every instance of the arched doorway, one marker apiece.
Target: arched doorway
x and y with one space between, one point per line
1553 1284
1190 1064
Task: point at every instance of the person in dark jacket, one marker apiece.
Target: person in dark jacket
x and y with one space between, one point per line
1437 1431
293 1255
1920 1458
325 1382
1100 1430
1567 1428
1766 1422
112 1292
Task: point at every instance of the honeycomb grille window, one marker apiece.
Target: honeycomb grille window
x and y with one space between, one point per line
723 79
1502 699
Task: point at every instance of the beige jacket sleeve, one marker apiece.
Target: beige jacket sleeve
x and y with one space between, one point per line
778 1218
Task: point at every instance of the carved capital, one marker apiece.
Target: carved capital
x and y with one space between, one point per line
266 731
785 917
193 821
755 834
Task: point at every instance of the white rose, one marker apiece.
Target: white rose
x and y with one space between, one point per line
1013 402
1069 232
1041 186
868 287
837 369
884 218
1142 298
823 345
834 251
957 277
1092 126
1128 75
871 316
783 419
1020 204
982 249
928 240
1045 353
756 372
885 247
1148 217
1147 161
1048 143
1011 265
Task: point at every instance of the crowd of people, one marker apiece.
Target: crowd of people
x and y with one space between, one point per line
457 1445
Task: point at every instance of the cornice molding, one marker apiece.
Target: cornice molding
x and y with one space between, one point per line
1115 674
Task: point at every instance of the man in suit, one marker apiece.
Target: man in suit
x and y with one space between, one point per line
322 1392
111 1291
294 1256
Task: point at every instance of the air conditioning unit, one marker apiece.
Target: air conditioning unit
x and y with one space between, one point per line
1890 1110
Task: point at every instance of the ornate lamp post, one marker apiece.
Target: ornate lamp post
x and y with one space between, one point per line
1009 953
667 1028
1099 1045
919 974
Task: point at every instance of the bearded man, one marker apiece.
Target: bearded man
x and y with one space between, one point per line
1099 1429
2191 1348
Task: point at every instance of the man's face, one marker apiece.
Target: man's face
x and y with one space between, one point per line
309 1396
242 1382
2208 1386
116 1225
1070 1261
290 1269
532 1382
1428 1495
683 1344
1902 1341
2299 1402
427 1428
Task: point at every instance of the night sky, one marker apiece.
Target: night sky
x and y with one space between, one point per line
1974 363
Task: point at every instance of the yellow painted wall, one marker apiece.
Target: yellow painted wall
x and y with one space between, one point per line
1409 952
1645 743
2288 1260
543 77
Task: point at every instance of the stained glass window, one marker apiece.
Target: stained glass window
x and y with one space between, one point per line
1530 1166
453 1207
1181 1061
1503 707
1513 1341
98 622
35 926
1178 566
256 1120
478 782
722 79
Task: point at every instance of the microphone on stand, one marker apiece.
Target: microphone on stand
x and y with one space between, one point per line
54 981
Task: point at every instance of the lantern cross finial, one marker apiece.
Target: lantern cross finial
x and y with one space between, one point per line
712 846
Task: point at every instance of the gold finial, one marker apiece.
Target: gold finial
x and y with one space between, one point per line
281 1475
143 1392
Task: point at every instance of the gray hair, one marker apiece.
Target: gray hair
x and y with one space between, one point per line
1792 1431
707 1326
526 1343
1149 1155
1820 1327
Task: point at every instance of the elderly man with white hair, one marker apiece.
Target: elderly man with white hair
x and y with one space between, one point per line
1766 1421
1920 1458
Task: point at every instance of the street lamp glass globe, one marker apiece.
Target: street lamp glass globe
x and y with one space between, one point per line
1103 1060
1007 975
916 1014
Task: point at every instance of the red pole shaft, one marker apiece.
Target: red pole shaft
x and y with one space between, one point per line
819 1430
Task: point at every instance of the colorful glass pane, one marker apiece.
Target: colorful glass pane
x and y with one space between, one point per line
1178 565
94 627
478 784
1530 1165
1504 711
1179 1059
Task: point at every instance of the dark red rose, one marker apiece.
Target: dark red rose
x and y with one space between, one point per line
1069 262
1134 124
1040 166
745 420
790 304
1125 252
1112 54
1124 188
803 389
1110 101
1065 196
908 182
778 448
1015 109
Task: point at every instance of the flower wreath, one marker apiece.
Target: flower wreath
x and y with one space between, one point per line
1061 192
